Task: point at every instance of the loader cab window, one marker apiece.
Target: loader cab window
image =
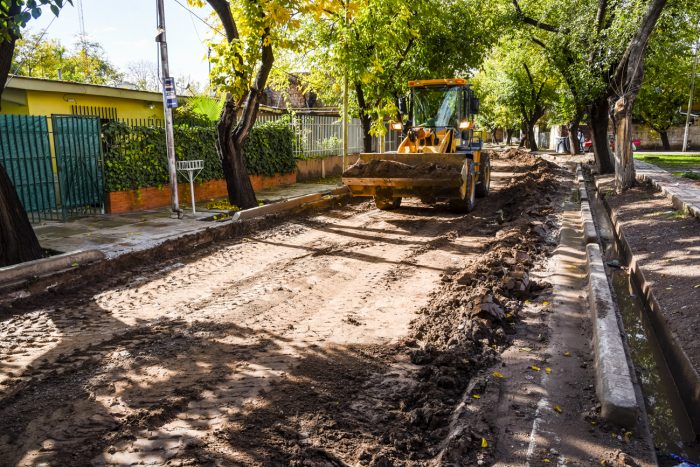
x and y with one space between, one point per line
437 107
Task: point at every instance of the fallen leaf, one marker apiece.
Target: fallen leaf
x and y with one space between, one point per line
525 349
546 460
548 370
557 409
567 354
484 443
476 396
75 265
696 286
545 303
534 368
498 375
628 435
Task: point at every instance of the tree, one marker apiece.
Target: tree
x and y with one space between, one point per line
381 44
241 67
144 75
667 74
521 82
18 241
85 63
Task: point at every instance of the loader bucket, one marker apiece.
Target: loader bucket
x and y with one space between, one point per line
411 177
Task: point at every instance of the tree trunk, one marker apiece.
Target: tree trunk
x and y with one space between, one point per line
532 141
365 119
18 242
240 190
598 119
509 136
624 162
664 140
573 126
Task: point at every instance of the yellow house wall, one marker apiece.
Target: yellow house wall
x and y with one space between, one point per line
10 108
47 103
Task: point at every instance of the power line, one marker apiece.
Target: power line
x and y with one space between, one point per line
218 31
39 39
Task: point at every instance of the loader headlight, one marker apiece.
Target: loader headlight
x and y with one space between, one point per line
396 126
465 125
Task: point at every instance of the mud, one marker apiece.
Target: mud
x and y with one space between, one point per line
342 338
394 169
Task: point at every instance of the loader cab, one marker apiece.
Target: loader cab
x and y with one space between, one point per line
443 108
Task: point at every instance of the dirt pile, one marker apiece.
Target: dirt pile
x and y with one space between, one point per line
395 169
514 154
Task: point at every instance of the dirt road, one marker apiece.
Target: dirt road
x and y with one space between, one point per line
343 338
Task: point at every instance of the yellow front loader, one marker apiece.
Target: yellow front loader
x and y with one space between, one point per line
440 157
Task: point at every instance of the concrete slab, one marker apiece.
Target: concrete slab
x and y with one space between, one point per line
114 235
683 193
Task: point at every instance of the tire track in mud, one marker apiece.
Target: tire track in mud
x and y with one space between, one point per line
162 366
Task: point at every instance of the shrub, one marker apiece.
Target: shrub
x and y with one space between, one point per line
135 156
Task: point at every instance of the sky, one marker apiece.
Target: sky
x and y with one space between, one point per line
126 30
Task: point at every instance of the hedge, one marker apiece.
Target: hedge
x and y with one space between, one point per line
135 156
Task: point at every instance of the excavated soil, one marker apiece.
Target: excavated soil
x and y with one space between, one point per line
345 338
394 169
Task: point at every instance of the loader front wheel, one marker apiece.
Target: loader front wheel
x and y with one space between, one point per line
468 189
483 187
387 204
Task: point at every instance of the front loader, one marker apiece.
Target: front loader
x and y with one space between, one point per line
440 157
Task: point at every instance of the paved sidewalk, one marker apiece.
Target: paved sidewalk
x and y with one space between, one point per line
118 234
684 193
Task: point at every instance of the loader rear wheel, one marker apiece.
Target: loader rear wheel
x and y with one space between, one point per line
387 204
484 185
468 190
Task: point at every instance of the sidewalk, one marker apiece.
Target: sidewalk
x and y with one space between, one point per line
118 234
683 192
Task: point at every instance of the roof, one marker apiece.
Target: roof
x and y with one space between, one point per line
69 87
437 82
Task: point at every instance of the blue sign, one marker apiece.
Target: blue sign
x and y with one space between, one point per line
170 94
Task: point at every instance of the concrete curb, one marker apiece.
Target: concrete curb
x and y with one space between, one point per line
23 271
614 386
613 380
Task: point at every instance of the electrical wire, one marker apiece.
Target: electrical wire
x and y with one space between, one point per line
218 31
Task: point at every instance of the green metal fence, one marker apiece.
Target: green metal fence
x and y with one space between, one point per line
78 148
55 164
25 152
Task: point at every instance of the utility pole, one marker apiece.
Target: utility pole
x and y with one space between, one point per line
169 101
692 92
346 129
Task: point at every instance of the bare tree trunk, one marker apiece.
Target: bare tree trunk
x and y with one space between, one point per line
18 242
509 136
664 140
624 162
598 119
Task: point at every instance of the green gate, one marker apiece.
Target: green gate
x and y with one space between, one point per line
79 159
25 152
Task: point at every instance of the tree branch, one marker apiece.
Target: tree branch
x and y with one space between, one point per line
531 21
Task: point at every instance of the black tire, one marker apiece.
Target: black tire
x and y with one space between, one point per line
387 204
468 189
484 185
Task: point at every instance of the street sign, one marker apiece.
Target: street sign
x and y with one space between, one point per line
170 94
